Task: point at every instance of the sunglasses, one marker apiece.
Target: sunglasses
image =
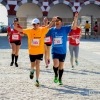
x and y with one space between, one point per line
36 24
58 20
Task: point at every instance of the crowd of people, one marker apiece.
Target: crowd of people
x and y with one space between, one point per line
52 35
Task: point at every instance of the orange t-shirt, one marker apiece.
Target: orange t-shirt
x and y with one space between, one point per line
36 40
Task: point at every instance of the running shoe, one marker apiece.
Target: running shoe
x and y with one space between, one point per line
48 61
11 64
16 64
46 66
37 83
56 79
72 67
31 75
60 82
76 63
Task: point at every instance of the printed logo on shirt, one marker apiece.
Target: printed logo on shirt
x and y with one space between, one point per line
37 37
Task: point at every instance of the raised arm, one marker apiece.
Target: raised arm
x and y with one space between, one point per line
18 29
45 21
74 23
52 22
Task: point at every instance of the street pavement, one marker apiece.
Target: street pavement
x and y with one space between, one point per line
82 83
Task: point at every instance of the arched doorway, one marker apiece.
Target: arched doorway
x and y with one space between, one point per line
26 15
62 10
4 15
90 13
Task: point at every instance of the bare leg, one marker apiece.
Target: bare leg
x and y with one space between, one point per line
46 56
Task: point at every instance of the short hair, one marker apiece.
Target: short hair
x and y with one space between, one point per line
59 18
87 21
48 22
16 19
96 22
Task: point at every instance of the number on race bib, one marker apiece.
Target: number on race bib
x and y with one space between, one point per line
77 41
57 40
47 39
15 37
35 42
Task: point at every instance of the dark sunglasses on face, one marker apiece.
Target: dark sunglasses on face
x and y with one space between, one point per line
36 24
58 21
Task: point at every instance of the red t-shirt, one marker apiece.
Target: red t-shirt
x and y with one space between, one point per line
74 40
48 40
14 34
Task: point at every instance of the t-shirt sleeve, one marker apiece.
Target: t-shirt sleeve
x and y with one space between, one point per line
49 33
45 30
26 31
89 25
8 29
68 28
20 28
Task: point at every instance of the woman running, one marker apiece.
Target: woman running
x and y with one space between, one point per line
48 42
15 41
96 30
74 41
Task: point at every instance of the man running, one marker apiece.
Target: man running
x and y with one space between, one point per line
59 35
87 27
36 44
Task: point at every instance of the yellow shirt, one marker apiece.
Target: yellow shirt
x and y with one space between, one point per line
36 40
87 26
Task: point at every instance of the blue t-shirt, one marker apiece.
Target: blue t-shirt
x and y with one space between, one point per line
59 39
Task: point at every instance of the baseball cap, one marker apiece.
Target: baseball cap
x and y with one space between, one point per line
35 21
16 19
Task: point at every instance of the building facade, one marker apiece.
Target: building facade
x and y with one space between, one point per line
26 10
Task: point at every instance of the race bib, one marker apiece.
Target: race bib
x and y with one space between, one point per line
15 37
77 41
35 42
57 40
47 39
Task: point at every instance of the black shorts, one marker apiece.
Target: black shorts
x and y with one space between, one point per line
48 44
33 58
95 30
61 57
17 42
86 30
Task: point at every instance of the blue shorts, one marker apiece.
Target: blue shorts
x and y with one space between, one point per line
61 57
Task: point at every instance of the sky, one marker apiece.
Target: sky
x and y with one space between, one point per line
3 14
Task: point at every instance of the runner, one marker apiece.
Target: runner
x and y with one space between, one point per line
14 38
59 35
74 41
87 27
36 45
96 30
48 42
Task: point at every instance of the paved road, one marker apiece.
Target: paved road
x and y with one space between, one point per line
82 83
